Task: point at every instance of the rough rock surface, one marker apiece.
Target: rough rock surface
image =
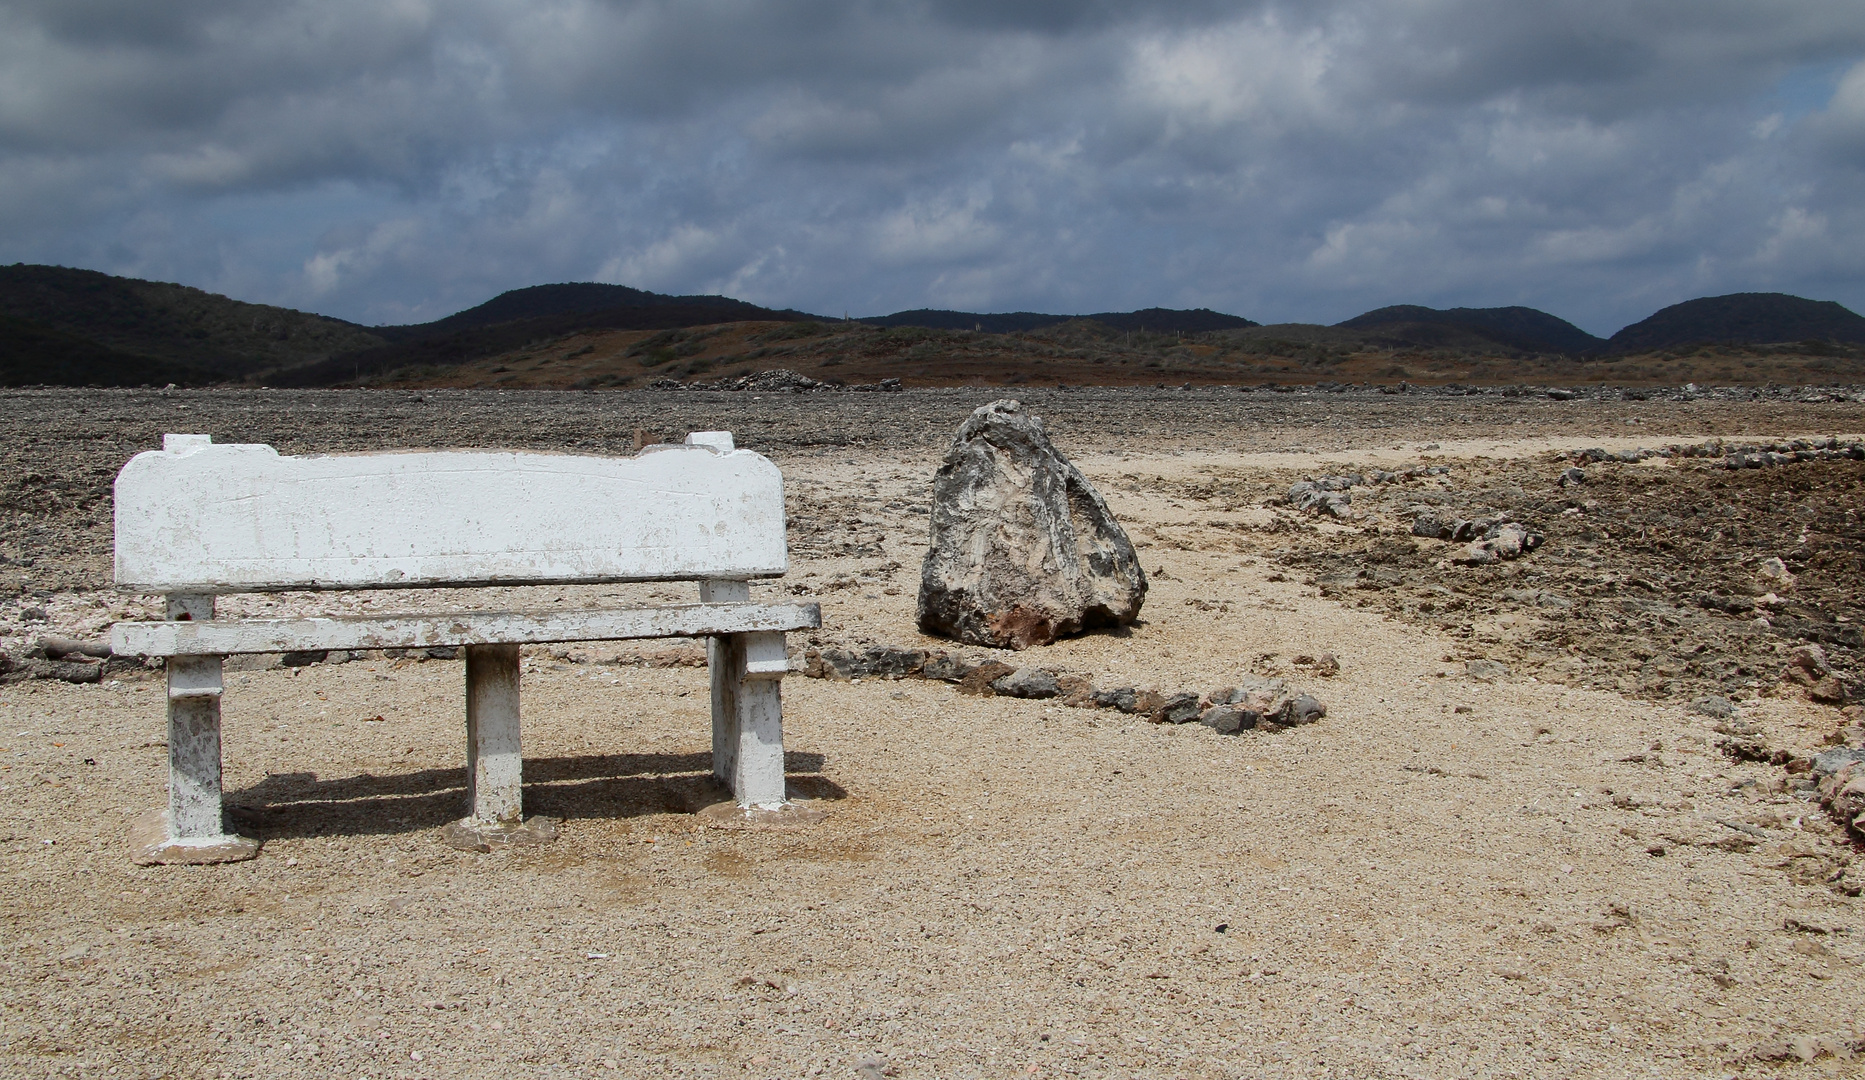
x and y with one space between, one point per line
1027 682
1022 550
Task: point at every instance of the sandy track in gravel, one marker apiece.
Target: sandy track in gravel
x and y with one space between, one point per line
1000 888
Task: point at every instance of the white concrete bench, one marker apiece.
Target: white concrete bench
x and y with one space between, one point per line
195 520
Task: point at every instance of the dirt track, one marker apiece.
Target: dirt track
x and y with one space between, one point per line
1443 877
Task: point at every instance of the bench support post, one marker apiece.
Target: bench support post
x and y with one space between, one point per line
193 829
494 758
494 761
747 705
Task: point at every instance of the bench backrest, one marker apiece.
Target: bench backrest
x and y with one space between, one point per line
196 517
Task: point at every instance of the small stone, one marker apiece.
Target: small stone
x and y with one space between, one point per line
830 663
1227 719
71 671
1715 706
844 664
1262 695
1829 762
885 660
946 668
1830 690
1773 569
1304 710
1329 496
1076 691
1028 682
443 652
1125 698
1327 665
1500 541
63 648
979 679
1180 708
1807 664
1486 670
1434 527
33 614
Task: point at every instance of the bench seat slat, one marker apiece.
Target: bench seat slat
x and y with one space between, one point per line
230 636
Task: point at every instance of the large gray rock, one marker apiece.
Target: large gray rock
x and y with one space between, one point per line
1023 549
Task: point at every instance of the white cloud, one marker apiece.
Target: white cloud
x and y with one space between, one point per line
392 159
684 252
938 231
327 271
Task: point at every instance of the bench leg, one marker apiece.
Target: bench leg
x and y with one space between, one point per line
748 717
193 830
724 667
758 765
494 757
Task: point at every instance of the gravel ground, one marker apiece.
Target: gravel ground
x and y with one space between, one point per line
1539 875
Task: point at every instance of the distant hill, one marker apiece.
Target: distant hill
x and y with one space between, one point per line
583 298
35 355
1743 319
64 326
126 331
1523 329
523 317
61 326
1154 320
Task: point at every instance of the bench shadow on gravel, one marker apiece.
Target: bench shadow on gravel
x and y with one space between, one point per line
293 805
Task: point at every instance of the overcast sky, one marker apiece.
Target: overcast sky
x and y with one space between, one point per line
397 160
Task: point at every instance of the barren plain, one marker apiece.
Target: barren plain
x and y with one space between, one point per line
1549 871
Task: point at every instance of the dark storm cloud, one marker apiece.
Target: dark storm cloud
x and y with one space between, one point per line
402 158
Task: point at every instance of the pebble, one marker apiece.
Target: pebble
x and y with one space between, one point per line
1304 710
1180 708
1227 719
1126 699
1027 682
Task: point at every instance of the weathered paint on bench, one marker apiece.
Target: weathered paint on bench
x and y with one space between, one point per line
454 628
201 518
196 519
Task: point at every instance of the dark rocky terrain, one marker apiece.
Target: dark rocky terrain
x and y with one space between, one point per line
1650 582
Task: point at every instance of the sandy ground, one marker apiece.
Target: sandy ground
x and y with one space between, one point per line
1441 878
